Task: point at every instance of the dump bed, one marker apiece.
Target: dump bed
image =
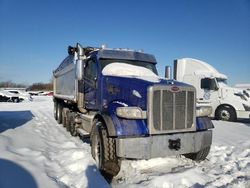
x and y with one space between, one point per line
65 82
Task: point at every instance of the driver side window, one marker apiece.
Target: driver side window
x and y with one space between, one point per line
208 84
90 70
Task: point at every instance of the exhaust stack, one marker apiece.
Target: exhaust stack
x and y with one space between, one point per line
168 72
79 75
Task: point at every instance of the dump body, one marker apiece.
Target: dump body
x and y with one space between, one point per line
65 83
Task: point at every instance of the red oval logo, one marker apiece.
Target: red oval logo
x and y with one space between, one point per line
175 89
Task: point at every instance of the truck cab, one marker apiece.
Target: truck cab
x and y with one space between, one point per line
117 97
228 103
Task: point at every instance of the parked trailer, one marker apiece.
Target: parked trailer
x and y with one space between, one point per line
116 96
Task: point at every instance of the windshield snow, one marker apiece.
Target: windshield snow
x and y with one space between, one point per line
131 71
147 65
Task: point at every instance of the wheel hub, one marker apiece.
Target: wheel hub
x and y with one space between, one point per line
225 115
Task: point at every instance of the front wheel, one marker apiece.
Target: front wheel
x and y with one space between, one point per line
226 113
103 150
199 156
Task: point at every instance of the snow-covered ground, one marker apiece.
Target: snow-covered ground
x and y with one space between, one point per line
36 152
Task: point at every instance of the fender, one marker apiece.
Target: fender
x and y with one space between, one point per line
108 122
124 127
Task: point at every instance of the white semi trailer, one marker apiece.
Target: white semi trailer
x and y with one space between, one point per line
228 103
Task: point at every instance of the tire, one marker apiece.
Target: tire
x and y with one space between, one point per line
72 125
55 110
67 125
9 100
65 117
16 100
199 156
226 113
59 113
103 150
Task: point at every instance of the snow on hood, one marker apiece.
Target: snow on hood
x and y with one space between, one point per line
130 71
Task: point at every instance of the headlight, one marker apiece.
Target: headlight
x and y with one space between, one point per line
247 108
203 111
131 113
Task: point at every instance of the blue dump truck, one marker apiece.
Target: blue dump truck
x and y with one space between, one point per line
116 97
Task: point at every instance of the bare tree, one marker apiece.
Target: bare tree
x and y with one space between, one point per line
10 84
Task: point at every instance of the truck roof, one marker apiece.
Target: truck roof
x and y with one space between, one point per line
107 53
197 67
126 54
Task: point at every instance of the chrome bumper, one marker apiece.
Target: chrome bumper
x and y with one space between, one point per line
159 145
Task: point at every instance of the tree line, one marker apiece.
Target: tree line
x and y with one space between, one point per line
33 87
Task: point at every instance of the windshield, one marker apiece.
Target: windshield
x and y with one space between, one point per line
221 82
150 66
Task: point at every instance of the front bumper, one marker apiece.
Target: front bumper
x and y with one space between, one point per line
243 114
158 145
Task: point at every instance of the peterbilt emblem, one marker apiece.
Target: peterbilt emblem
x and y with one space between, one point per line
175 89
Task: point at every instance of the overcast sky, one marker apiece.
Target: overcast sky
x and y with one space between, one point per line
34 34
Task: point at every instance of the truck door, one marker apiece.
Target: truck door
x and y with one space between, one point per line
210 90
90 84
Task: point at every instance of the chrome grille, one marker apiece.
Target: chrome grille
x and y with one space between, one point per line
171 111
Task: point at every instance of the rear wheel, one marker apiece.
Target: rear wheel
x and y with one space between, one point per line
59 113
226 113
68 124
104 151
199 156
72 125
65 117
55 110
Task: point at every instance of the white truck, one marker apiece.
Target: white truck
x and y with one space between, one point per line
228 103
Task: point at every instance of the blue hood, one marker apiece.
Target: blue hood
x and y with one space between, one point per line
124 89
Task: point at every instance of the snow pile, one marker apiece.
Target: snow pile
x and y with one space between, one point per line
227 165
41 150
130 71
36 152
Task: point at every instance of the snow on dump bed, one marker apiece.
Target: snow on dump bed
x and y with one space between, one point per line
130 71
36 152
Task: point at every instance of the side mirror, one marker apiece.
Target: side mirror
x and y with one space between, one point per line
79 69
215 87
